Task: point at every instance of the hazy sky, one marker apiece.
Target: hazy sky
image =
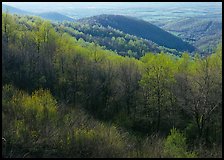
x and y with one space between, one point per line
109 4
85 9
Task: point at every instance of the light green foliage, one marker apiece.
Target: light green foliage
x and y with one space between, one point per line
110 38
159 68
143 96
42 104
200 87
101 141
11 101
184 62
175 146
157 82
9 26
20 131
35 111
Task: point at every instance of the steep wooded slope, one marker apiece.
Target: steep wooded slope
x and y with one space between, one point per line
141 29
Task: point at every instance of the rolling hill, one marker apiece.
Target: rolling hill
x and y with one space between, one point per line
112 39
141 29
203 33
13 10
52 16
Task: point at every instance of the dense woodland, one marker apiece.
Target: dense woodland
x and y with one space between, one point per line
204 33
65 97
142 29
110 38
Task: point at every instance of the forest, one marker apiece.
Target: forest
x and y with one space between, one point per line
63 96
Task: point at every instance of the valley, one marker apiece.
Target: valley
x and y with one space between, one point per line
79 81
189 28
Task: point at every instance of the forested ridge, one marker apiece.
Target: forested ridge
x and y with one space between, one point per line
204 33
140 28
65 97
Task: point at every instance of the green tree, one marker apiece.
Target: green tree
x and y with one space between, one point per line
157 80
175 146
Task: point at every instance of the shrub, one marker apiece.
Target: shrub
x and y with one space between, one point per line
175 146
39 109
100 141
152 147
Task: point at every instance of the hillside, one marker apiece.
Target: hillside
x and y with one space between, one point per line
54 16
141 29
203 33
13 10
112 39
65 94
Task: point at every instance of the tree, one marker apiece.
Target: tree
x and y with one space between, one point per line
129 74
156 81
175 146
198 90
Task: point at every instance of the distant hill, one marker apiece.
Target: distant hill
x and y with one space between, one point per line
112 39
54 16
141 29
201 32
14 10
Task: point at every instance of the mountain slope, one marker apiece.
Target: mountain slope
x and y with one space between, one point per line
14 10
203 33
54 16
112 39
141 29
